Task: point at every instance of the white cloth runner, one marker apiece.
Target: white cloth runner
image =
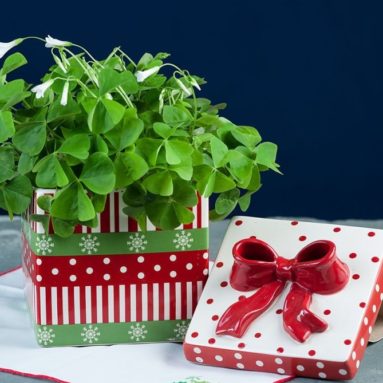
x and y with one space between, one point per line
139 363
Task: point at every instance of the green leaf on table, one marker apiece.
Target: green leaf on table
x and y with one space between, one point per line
16 195
57 111
50 173
12 93
176 116
31 138
184 170
222 183
43 219
12 62
105 115
163 130
134 195
98 173
205 177
160 183
62 228
100 145
44 202
255 180
127 132
226 202
7 163
246 135
241 167
130 167
245 200
176 151
218 152
99 201
184 193
149 148
266 155
138 213
77 146
72 203
7 127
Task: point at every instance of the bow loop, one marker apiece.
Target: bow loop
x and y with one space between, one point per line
315 269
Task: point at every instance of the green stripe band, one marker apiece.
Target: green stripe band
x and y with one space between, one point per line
111 333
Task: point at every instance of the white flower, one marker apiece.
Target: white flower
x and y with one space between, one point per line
183 87
50 42
143 75
44 244
90 334
45 335
5 47
89 244
183 240
64 96
42 88
137 332
181 329
59 63
194 83
137 242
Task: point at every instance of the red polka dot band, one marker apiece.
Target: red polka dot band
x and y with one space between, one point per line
349 312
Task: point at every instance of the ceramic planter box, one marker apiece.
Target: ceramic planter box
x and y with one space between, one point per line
115 283
336 331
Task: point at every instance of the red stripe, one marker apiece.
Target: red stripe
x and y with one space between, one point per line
183 300
116 290
78 229
59 305
139 303
150 301
50 227
38 304
105 302
93 294
71 304
48 304
88 229
105 217
82 305
161 301
189 225
172 300
132 224
127 303
116 212
199 212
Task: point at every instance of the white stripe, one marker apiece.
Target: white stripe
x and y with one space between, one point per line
166 301
43 313
144 305
133 303
189 299
88 304
122 303
199 289
178 300
123 219
54 305
156 298
35 308
111 304
84 229
149 225
65 305
77 307
97 229
111 212
205 212
99 303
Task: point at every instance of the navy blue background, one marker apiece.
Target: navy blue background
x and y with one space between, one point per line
308 74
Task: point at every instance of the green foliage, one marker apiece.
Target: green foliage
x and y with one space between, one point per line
93 127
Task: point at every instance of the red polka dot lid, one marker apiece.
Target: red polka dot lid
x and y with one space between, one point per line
265 346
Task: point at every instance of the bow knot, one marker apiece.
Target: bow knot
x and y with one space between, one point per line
315 269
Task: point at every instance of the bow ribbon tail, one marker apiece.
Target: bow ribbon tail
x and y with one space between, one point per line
238 317
298 320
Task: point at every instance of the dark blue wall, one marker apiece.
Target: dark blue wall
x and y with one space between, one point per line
308 74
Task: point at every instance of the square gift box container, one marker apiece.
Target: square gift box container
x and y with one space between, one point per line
114 283
350 313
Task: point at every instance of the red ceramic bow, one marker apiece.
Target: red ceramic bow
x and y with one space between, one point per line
316 269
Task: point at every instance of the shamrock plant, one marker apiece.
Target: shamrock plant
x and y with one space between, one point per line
95 126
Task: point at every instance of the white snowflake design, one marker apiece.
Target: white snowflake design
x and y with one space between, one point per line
90 334
137 242
45 335
137 332
89 244
181 329
183 240
44 244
